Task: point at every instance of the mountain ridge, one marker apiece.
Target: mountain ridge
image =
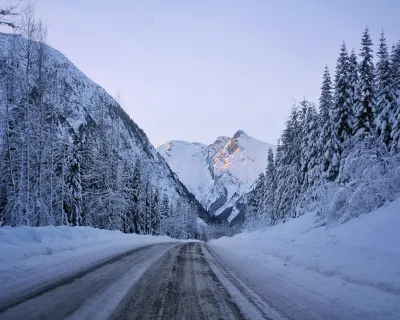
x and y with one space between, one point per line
220 173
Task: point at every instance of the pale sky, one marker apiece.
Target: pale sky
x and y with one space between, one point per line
197 69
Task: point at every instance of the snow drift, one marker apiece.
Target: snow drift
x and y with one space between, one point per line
356 263
33 256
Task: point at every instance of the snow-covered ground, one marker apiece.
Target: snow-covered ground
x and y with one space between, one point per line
307 271
32 256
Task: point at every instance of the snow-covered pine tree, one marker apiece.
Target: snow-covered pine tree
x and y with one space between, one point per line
395 67
385 93
163 212
366 108
89 174
270 187
176 224
310 170
288 166
354 90
74 184
278 153
291 136
270 171
255 198
342 110
134 199
327 145
395 71
155 217
148 209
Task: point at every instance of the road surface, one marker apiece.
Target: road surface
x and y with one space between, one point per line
162 281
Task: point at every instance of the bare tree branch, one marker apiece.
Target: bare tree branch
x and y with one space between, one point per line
10 11
6 15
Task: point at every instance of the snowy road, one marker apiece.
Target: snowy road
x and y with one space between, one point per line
92 293
161 281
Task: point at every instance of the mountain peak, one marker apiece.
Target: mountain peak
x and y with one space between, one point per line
220 173
240 133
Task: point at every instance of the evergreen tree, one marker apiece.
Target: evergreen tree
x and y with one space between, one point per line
155 217
278 153
163 213
395 71
88 172
74 183
386 95
270 187
364 122
270 171
289 149
256 197
289 165
395 66
309 148
353 87
342 109
134 198
326 143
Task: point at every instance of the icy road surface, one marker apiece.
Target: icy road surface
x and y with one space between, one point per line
160 281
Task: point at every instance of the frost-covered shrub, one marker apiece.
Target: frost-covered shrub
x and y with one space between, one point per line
366 157
367 197
338 204
369 177
311 198
394 175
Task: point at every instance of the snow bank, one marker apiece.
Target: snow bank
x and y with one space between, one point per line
30 256
364 252
23 243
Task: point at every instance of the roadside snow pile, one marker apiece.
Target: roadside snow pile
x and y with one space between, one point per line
30 256
363 253
18 244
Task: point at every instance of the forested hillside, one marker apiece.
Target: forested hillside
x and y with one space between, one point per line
70 155
342 158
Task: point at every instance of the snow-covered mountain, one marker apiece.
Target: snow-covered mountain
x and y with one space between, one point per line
88 126
220 173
